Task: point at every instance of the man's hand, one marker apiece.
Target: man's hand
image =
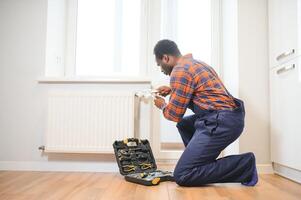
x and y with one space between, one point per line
159 102
164 90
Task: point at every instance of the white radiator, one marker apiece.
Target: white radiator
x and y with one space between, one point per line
88 122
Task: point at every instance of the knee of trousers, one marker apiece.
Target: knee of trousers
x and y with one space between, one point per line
179 177
179 180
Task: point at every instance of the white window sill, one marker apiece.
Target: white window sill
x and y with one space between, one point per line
67 80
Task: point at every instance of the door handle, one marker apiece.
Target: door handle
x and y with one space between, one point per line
285 69
285 54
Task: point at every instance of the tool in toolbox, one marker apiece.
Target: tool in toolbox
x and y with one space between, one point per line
136 162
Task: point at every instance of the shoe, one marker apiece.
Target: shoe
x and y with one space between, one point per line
254 178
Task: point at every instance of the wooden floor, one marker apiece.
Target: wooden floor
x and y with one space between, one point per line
111 186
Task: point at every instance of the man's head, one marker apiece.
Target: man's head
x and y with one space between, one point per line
167 55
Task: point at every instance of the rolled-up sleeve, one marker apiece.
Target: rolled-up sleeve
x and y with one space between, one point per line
182 89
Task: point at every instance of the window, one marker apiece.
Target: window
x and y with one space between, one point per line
115 38
108 37
189 23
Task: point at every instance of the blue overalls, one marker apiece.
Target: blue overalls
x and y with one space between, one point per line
205 134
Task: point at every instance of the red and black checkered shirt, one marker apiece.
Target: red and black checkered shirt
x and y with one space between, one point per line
195 81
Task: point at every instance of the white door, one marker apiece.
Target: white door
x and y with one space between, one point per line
284 30
285 82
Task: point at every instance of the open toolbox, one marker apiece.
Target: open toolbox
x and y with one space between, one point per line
137 163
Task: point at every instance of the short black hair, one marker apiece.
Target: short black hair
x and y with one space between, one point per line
166 47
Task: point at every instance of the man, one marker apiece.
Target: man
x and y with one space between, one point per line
217 122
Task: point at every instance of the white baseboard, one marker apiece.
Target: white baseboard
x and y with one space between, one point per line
91 166
59 166
288 172
265 168
170 164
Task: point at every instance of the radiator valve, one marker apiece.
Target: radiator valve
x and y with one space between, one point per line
42 148
147 93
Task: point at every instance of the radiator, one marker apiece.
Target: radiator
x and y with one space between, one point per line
88 122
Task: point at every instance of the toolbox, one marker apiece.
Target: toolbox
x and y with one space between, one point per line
137 163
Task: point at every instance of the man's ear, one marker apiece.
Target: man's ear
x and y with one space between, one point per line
165 58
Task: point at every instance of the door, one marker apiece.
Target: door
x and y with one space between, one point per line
284 30
285 88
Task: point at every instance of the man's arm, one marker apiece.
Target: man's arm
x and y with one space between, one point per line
182 89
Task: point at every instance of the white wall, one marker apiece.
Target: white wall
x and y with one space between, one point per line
229 59
245 72
23 101
254 76
22 39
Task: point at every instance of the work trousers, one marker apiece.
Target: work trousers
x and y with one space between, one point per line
205 134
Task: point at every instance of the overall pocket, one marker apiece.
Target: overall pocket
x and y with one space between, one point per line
209 122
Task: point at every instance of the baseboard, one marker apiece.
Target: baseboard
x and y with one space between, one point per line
287 172
170 164
265 168
59 166
93 166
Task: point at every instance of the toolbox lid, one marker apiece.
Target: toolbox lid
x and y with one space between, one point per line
134 156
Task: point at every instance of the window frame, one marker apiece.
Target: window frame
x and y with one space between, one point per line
150 27
216 30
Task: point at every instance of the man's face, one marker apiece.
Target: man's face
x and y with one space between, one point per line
165 65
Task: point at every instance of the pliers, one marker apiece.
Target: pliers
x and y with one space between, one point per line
145 165
129 168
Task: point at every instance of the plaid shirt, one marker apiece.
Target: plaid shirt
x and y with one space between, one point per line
192 81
